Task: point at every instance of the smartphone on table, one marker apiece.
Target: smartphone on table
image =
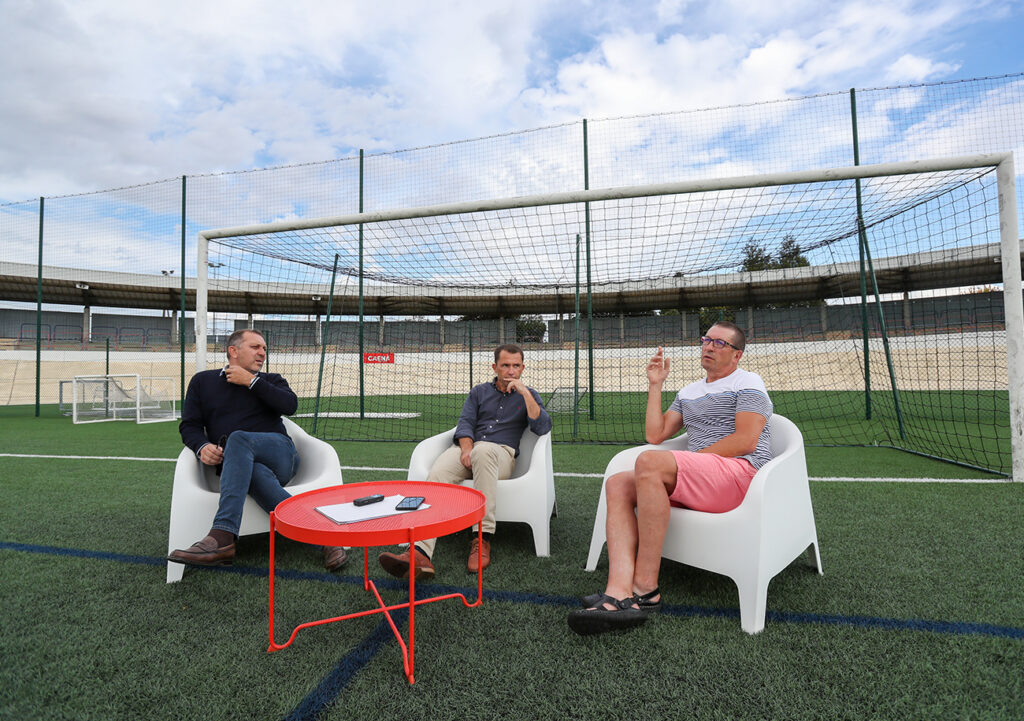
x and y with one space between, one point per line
410 503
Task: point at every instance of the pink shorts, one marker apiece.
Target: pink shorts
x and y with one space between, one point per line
710 483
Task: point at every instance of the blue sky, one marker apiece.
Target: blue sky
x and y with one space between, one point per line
104 93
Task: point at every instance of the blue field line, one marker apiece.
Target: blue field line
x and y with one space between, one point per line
892 624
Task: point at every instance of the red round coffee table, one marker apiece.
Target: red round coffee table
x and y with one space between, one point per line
452 508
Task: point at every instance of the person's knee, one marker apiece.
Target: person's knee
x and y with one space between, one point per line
621 485
485 456
238 440
654 468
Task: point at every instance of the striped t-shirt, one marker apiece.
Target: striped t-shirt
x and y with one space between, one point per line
709 411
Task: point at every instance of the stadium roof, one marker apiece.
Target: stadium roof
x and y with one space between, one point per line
975 265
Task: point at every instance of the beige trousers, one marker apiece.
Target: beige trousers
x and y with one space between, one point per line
491 463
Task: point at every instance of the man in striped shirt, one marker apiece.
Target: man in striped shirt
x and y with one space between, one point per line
725 416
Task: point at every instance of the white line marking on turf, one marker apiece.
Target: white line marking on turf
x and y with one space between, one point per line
88 458
563 475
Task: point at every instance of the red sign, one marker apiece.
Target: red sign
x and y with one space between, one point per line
378 357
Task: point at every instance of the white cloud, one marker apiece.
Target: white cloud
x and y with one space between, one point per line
107 93
912 68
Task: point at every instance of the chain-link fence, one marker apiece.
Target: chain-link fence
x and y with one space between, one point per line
104 282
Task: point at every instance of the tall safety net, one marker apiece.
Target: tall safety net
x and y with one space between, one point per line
873 309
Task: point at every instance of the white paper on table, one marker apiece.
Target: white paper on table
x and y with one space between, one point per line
351 513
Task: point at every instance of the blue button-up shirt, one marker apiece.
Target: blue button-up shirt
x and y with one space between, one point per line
496 417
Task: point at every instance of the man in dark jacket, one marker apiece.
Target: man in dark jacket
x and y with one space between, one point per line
232 419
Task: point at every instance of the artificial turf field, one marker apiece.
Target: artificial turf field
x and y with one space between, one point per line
919 615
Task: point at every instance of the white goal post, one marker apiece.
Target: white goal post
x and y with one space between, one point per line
122 397
1008 230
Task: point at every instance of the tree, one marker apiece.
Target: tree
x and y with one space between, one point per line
755 257
789 255
530 329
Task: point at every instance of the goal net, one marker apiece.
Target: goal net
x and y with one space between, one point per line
872 299
122 397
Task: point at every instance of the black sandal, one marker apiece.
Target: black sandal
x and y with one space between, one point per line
643 601
598 619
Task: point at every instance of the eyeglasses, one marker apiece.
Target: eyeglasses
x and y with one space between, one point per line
717 342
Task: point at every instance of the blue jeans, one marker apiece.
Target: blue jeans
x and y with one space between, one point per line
257 464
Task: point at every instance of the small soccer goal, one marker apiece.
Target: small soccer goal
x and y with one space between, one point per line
564 400
122 397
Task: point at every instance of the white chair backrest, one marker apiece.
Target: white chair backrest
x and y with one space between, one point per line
526 445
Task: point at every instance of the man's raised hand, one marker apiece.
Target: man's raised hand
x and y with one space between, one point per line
657 367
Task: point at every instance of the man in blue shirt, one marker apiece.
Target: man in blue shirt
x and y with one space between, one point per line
486 443
232 419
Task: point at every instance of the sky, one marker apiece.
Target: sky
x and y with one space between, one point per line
106 93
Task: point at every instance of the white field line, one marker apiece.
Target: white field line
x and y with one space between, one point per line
564 475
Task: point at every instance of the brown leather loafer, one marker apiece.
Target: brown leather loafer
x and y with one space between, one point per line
479 555
397 564
334 557
204 553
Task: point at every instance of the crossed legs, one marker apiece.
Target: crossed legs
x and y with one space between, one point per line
638 512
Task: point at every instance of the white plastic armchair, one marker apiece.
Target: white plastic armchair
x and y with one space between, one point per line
528 496
196 493
753 542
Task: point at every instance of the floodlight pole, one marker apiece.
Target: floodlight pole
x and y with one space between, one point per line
1013 300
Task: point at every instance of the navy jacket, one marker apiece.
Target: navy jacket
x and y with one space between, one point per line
214 408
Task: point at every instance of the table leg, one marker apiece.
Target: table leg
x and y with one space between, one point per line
273 646
366 568
412 609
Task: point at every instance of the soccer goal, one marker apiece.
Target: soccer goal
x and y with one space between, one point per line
122 397
882 303
567 400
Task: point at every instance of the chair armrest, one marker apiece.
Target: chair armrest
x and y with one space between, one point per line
426 452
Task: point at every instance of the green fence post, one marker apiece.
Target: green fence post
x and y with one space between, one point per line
39 307
865 255
576 364
590 297
323 347
862 241
362 387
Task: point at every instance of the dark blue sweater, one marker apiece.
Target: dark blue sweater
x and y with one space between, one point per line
214 408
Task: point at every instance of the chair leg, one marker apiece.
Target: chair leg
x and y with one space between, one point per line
541 538
598 537
815 556
753 605
597 542
174 571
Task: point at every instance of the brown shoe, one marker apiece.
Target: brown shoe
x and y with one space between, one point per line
334 557
204 553
479 555
397 564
